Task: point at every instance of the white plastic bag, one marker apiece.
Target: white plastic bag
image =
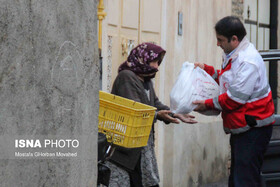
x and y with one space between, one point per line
192 84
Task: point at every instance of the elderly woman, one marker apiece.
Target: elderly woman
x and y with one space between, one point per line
138 166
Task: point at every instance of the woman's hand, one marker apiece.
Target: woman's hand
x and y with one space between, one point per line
186 118
165 115
199 64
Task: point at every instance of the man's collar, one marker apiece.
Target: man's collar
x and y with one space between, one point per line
234 54
229 54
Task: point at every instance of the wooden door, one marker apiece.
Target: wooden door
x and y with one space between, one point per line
128 23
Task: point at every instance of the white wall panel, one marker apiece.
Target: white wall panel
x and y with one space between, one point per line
264 11
252 4
130 14
151 15
113 9
254 34
261 39
266 45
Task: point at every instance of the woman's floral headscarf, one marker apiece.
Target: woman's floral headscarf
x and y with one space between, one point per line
140 57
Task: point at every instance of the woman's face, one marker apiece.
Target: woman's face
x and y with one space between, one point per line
147 77
154 64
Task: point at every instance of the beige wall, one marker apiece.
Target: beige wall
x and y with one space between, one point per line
191 155
128 23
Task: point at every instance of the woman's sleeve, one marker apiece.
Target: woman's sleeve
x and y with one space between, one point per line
159 105
125 86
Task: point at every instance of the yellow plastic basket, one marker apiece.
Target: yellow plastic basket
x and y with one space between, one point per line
125 122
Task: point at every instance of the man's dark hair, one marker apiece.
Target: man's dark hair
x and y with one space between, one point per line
229 26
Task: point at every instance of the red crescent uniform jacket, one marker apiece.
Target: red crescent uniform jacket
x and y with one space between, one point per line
245 96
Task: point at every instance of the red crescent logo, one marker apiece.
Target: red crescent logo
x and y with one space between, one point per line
225 86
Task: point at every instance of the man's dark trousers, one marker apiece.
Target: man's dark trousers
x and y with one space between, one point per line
247 153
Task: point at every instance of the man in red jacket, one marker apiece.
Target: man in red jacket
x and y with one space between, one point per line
245 101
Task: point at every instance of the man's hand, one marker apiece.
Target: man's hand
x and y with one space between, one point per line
200 105
164 115
186 118
199 64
